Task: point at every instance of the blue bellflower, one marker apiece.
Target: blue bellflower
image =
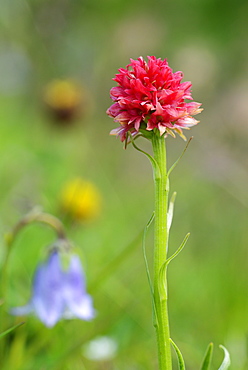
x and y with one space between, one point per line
58 293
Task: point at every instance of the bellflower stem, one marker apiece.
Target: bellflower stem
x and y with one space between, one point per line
33 216
38 216
160 250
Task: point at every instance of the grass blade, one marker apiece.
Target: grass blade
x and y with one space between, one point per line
227 361
207 357
10 329
181 363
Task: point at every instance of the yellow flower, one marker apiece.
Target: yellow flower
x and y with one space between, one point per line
81 200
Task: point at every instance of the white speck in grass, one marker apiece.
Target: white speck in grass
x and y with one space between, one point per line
100 348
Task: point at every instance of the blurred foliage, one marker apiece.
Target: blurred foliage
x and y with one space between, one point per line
87 41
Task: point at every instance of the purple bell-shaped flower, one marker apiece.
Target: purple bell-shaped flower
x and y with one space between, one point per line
58 293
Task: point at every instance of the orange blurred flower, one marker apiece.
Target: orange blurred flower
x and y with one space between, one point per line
64 99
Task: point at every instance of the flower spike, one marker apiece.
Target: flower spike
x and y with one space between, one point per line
150 96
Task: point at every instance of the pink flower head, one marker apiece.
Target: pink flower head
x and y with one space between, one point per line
150 96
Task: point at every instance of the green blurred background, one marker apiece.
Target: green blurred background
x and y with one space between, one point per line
87 41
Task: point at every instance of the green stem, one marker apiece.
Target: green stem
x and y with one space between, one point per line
160 246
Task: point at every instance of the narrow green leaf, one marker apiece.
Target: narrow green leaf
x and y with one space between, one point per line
155 320
208 357
9 330
178 159
171 211
227 361
162 287
178 250
144 251
181 363
154 164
